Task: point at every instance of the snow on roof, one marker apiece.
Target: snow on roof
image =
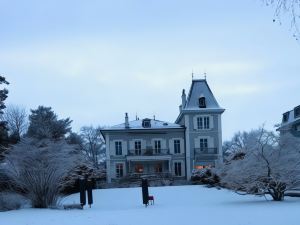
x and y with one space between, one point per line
290 118
138 124
200 88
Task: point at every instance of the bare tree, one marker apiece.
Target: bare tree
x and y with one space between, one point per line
17 120
38 169
271 166
92 143
290 7
237 147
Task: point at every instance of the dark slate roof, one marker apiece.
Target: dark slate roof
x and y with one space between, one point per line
200 88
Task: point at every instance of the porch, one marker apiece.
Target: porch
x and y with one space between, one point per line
148 167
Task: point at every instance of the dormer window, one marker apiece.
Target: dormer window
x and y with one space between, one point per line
297 111
202 102
285 117
146 123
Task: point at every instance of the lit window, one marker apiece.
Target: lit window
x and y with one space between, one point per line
118 147
177 146
139 168
158 168
200 167
119 170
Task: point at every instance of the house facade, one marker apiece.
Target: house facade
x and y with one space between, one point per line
149 146
291 122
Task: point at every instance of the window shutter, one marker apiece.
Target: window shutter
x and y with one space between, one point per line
195 122
211 122
112 149
182 145
171 146
131 145
143 143
197 142
124 148
163 144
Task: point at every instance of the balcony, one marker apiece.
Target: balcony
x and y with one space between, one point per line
148 152
148 155
206 153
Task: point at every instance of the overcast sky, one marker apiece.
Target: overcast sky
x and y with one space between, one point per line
93 61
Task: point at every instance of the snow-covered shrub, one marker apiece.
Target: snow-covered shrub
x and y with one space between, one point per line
10 201
270 166
205 176
37 169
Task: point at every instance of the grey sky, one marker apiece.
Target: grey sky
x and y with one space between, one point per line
95 60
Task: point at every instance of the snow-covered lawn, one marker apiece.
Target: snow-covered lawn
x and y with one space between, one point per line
178 205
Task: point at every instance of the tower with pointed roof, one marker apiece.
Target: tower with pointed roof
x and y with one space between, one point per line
200 114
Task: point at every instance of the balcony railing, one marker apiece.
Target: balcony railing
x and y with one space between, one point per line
206 150
148 152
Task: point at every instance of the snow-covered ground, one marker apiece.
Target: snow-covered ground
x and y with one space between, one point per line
178 205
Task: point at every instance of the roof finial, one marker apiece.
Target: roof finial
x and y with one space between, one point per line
192 74
205 75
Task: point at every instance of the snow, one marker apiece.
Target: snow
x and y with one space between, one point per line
137 124
175 205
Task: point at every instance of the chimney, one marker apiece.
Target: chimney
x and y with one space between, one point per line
183 99
126 121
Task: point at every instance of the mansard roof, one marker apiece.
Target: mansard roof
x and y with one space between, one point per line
290 118
200 88
138 125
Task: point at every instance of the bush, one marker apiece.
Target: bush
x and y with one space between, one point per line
10 201
205 176
38 170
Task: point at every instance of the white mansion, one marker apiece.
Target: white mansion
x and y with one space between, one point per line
150 146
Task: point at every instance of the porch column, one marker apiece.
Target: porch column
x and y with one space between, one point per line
170 170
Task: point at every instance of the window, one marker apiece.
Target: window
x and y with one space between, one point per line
203 144
285 117
297 111
177 166
203 122
137 147
202 103
177 146
146 123
157 146
119 170
199 167
200 123
118 147
298 128
139 168
158 168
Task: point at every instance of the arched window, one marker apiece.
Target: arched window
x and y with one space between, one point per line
202 103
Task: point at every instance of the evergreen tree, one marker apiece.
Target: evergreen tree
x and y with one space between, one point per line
43 123
3 128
